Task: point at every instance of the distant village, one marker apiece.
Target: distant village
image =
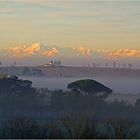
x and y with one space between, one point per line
15 69
57 69
58 63
53 64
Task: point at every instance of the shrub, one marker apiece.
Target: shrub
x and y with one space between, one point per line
20 128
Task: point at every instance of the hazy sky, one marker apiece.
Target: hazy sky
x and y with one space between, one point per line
76 31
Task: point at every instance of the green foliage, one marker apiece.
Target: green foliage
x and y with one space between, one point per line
121 128
20 128
27 128
76 127
50 131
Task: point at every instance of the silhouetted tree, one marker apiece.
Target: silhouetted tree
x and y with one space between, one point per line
13 85
89 86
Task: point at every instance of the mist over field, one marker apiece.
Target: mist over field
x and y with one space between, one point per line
123 85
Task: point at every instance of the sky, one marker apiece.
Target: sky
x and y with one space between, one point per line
77 32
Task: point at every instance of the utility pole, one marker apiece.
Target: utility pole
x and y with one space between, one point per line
106 65
114 65
124 66
15 64
119 65
94 65
129 66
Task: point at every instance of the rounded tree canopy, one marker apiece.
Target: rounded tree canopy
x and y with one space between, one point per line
88 86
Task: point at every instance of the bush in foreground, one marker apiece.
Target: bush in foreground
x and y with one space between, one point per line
70 128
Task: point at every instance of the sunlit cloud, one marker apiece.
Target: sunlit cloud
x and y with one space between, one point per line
25 51
83 51
50 53
46 51
28 51
110 54
122 53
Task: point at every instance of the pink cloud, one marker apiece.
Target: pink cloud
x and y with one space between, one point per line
25 51
50 53
83 51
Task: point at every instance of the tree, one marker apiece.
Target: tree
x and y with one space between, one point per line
89 86
26 72
13 85
19 98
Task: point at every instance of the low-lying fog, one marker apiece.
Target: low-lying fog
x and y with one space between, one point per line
119 85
